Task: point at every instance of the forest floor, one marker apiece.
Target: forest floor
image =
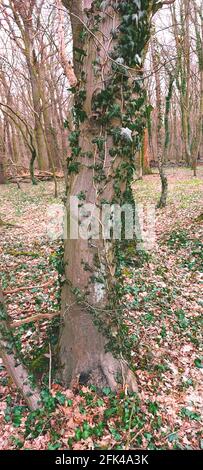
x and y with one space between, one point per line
163 297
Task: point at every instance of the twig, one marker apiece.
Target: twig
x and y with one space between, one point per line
34 318
129 431
50 366
129 441
22 288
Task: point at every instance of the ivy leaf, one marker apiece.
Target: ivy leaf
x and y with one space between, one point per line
173 437
198 363
55 446
126 133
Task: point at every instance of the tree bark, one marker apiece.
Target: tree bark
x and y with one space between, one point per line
2 154
89 314
198 137
145 153
183 72
27 134
24 20
159 129
42 156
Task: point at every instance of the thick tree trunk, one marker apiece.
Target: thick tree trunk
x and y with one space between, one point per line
109 124
85 301
82 348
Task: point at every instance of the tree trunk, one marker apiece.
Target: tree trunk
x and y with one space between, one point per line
183 71
59 118
51 139
2 154
109 123
2 176
159 129
145 153
198 138
35 80
38 114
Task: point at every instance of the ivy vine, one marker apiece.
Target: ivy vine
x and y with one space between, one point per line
120 112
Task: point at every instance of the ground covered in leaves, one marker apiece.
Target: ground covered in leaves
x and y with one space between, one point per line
163 299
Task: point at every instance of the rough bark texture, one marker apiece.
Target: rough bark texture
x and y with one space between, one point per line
87 317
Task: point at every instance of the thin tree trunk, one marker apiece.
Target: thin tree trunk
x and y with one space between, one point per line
38 113
2 175
159 130
198 138
27 136
145 153
183 71
12 362
31 166
51 139
35 80
2 154
64 132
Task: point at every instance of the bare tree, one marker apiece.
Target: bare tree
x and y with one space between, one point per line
33 62
161 145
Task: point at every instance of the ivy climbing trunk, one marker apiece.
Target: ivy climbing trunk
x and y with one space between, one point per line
109 119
